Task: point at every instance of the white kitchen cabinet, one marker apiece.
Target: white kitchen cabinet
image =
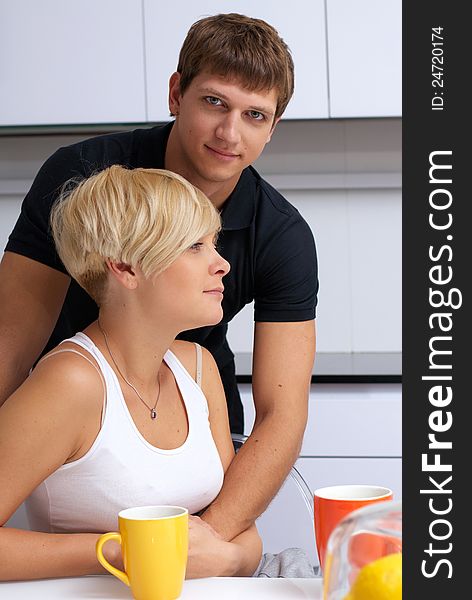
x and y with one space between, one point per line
346 420
365 58
104 62
357 420
382 471
71 62
301 25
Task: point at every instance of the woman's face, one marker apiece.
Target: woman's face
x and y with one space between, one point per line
190 291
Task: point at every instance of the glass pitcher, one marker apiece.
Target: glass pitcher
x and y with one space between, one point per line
356 554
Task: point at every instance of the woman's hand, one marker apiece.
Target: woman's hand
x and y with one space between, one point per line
208 554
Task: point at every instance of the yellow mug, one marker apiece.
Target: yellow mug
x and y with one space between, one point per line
154 546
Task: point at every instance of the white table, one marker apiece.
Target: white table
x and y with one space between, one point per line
214 588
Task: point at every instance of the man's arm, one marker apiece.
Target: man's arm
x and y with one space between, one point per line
282 366
31 297
209 555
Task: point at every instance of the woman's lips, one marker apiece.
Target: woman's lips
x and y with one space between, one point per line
215 292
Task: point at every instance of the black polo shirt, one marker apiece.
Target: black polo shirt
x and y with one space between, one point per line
268 244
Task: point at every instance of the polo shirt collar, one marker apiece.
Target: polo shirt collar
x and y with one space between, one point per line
151 151
238 210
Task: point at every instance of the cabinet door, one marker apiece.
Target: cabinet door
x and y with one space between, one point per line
383 471
71 62
356 420
302 26
364 58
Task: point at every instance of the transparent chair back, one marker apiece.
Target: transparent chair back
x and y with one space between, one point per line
288 520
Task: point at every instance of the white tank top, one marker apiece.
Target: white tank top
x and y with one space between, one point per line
122 469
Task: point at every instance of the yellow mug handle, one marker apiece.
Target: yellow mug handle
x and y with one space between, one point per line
103 561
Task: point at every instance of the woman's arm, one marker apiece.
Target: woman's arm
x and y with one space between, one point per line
50 420
35 555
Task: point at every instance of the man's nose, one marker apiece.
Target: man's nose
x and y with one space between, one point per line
228 129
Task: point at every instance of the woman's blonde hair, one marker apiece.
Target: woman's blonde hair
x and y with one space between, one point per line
141 217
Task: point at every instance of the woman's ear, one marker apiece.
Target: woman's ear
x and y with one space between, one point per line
123 273
174 94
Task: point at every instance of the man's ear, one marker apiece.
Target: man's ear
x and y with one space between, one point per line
273 129
174 94
123 273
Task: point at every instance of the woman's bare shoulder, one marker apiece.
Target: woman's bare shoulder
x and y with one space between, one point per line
63 398
69 372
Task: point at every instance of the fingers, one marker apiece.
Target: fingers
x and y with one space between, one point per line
209 528
195 524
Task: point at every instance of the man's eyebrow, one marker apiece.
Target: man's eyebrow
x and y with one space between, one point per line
213 92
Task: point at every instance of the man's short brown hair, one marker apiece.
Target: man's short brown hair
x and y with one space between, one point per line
249 50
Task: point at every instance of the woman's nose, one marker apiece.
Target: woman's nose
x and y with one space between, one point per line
222 266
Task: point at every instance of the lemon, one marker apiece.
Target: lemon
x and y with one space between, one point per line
379 580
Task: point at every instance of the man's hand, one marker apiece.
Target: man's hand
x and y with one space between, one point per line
196 524
31 297
208 554
282 366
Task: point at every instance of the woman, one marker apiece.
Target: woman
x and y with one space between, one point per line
115 416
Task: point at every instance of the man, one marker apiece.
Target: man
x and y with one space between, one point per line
233 82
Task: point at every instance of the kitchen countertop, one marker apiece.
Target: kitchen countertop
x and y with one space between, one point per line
340 367
213 588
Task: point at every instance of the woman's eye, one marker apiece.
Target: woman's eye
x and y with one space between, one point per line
213 100
196 246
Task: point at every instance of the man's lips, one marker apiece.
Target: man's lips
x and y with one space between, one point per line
223 154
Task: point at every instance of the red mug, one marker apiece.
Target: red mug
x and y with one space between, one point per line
333 503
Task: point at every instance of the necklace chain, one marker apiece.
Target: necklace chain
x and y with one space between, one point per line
152 409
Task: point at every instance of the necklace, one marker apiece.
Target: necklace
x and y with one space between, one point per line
153 413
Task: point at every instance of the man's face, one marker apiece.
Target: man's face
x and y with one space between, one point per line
221 126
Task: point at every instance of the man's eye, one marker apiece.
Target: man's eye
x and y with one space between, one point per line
256 115
213 100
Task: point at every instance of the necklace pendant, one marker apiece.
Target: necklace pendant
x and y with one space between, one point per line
153 414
